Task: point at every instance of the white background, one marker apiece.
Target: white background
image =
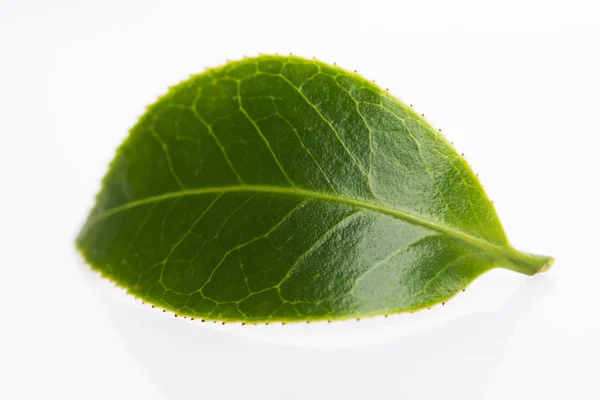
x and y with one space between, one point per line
514 84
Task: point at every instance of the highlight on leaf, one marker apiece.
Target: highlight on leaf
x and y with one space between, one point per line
281 189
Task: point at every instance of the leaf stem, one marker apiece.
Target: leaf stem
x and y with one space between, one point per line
527 263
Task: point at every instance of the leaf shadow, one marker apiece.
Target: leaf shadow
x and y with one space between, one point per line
455 360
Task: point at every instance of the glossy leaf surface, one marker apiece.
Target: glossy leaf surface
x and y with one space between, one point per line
283 189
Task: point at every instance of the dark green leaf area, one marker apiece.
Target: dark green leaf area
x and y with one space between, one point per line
282 189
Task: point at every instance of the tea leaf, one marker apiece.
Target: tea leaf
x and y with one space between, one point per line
282 189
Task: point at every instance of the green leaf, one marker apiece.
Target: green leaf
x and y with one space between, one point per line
283 189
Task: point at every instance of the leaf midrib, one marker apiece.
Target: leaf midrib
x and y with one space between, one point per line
396 213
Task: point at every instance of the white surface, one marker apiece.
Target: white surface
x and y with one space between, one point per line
515 86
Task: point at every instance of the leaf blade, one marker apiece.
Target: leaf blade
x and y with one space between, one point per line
281 143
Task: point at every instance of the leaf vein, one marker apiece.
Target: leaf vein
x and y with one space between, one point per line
327 121
217 141
254 124
406 216
316 244
165 150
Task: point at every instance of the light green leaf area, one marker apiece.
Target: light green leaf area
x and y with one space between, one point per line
283 189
